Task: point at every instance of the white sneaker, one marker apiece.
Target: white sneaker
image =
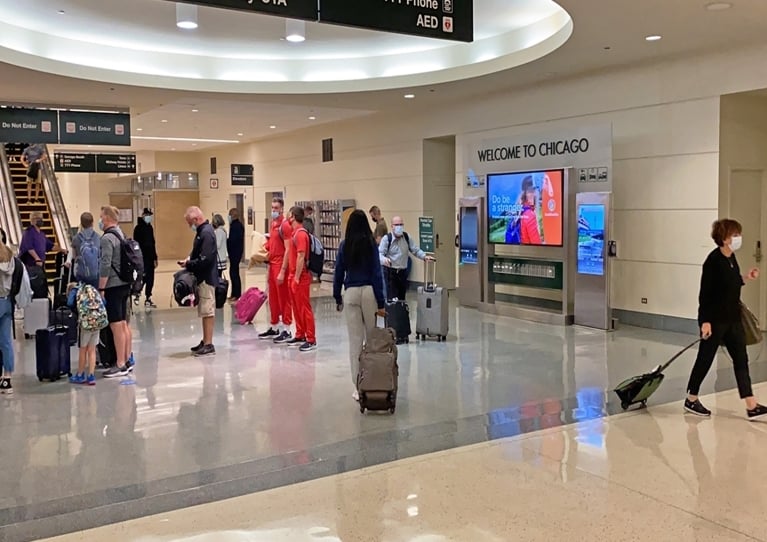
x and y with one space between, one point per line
356 396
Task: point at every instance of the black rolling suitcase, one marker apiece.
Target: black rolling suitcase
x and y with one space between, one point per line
60 284
52 354
107 354
398 318
64 318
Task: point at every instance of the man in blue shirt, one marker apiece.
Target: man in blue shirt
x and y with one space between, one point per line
395 250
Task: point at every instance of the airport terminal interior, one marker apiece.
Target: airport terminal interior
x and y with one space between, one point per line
554 168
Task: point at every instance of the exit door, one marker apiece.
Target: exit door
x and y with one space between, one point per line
747 199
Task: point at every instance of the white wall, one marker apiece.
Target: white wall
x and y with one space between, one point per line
665 121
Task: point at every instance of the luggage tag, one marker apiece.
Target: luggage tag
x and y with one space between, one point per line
380 322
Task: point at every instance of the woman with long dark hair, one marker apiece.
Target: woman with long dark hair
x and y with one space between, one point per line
719 317
358 270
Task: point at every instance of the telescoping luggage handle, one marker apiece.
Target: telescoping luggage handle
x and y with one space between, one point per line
430 275
677 355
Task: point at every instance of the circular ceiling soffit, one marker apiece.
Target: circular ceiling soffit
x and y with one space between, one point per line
137 43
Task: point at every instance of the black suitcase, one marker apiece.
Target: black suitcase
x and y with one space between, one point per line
52 354
222 290
38 282
398 318
107 354
64 318
60 285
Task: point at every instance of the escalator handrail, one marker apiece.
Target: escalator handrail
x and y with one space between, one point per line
59 217
11 218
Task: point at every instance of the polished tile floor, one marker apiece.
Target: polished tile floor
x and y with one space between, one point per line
649 475
184 431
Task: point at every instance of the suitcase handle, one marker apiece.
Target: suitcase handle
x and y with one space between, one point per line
60 312
677 355
430 275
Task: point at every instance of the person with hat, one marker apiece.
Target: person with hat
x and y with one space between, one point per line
143 234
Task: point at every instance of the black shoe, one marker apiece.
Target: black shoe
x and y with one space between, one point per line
206 350
270 333
283 338
757 413
697 408
308 347
295 343
5 386
116 372
194 349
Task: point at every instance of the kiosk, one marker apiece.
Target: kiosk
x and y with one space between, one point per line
592 278
471 251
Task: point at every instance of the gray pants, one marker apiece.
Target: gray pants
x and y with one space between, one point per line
360 308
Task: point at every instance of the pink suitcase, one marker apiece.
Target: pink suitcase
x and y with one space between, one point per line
248 305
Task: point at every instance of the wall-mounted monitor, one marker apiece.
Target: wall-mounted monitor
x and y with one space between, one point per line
525 208
591 239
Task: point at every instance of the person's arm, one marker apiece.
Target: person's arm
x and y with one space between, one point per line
105 261
208 255
383 250
288 248
302 247
339 273
708 291
416 251
378 284
49 245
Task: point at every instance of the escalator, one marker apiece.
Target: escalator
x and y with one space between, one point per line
55 221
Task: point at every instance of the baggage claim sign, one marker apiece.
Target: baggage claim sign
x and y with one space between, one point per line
442 19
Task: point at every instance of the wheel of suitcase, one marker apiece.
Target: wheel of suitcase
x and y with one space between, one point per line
625 405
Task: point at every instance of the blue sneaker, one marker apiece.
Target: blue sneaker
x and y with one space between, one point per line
77 378
90 380
131 363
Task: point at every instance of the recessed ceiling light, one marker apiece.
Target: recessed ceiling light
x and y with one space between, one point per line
139 129
173 148
194 144
164 120
654 37
718 6
295 31
186 16
195 110
239 133
272 127
409 96
61 12
312 117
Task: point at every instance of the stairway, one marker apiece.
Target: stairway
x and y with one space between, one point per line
26 208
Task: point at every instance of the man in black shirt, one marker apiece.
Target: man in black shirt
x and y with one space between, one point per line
143 234
202 263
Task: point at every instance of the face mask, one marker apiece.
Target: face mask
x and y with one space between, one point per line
101 225
148 219
374 219
39 222
399 230
229 220
194 227
275 215
736 242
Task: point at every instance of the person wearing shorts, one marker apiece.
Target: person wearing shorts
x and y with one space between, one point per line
202 262
31 158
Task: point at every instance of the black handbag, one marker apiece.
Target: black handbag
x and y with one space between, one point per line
751 327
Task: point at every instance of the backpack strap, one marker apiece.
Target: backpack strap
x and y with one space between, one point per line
390 237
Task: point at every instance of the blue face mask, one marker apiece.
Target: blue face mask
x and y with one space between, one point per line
194 227
399 230
148 219
101 225
275 215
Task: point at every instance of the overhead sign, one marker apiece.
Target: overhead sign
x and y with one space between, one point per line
71 162
444 19
19 125
426 233
94 128
242 175
292 9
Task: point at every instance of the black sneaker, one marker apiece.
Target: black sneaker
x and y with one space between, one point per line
194 349
149 304
296 342
206 350
308 347
270 333
757 413
115 372
5 386
283 338
697 408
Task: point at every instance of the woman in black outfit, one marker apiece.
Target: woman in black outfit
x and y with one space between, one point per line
719 317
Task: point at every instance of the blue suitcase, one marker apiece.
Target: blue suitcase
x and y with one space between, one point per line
52 354
64 318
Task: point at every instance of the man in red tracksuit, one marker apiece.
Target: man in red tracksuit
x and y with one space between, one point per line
280 241
300 279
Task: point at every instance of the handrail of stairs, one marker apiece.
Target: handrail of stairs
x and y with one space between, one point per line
10 218
58 210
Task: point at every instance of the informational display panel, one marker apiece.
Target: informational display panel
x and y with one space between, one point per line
471 234
293 9
592 278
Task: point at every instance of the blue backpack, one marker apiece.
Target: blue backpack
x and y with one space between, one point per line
87 264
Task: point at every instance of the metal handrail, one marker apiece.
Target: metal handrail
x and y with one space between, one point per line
59 217
10 218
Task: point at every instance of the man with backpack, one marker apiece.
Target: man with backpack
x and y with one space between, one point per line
395 250
300 282
86 249
115 288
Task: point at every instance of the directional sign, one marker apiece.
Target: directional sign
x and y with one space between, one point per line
72 162
82 128
20 125
242 174
116 163
291 9
444 19
426 233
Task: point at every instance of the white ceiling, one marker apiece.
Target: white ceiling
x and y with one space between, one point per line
137 42
686 26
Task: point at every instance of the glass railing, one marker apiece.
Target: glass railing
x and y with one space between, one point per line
164 180
58 210
9 216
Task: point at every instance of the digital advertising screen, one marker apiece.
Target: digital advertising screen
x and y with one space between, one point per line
591 239
469 236
525 208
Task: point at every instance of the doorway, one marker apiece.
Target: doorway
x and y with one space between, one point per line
439 202
747 199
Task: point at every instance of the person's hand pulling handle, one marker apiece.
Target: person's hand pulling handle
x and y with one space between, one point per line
340 307
705 330
381 313
753 274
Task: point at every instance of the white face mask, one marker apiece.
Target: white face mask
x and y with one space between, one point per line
736 242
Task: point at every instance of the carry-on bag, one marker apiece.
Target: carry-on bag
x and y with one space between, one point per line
638 389
185 288
105 350
60 284
222 291
248 305
38 281
52 354
64 318
398 318
432 315
36 317
377 379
